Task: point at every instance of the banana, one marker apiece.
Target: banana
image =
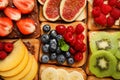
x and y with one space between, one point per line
74 75
49 74
63 74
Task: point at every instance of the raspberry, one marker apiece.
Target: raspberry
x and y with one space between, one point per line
8 47
60 29
79 29
70 29
78 45
83 49
101 20
118 4
110 21
105 8
68 37
3 55
73 42
80 37
78 56
72 51
112 2
97 2
96 11
115 13
1 46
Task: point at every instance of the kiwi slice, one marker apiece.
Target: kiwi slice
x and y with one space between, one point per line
116 74
102 41
102 64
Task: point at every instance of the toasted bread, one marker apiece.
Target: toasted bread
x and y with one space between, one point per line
92 25
95 78
32 46
53 25
15 32
68 69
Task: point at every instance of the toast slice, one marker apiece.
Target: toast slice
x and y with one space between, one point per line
53 25
15 32
68 69
95 78
32 46
92 25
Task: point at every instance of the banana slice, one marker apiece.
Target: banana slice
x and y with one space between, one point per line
75 76
63 74
49 74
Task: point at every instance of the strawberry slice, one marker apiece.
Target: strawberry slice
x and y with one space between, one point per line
25 6
13 13
6 26
105 8
26 26
3 4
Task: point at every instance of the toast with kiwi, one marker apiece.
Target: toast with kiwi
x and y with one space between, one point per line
54 28
99 19
25 17
24 58
58 72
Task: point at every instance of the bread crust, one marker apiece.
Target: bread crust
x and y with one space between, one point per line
68 69
53 25
95 78
92 25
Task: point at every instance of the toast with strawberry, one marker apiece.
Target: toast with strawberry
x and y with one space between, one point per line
18 20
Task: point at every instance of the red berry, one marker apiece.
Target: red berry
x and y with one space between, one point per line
72 50
78 56
1 46
110 21
8 47
101 20
70 29
80 37
112 2
73 42
60 29
97 2
79 29
68 37
118 4
3 55
78 45
105 8
83 49
96 11
115 13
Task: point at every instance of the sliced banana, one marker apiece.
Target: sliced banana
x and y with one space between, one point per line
62 74
49 74
75 76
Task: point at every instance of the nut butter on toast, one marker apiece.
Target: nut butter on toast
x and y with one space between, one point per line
53 25
68 69
15 32
32 46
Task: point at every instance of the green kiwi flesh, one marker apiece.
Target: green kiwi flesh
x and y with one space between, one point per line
102 64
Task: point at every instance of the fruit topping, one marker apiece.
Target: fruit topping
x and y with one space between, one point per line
46 28
67 54
118 4
110 21
72 50
1 46
70 61
80 37
45 48
53 34
53 56
3 55
112 2
105 8
68 37
58 37
53 45
45 58
79 45
6 26
25 6
78 56
3 4
45 38
8 47
79 29
58 50
98 3
115 13
61 59
70 29
60 29
26 26
13 13
96 11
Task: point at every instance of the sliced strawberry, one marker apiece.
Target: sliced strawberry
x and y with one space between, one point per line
25 6
110 21
101 20
6 26
96 11
3 4
115 13
26 26
13 13
105 8
97 2
112 2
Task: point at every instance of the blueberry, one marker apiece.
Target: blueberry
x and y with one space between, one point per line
45 58
45 48
60 59
58 50
53 56
46 28
67 54
53 41
70 61
53 47
53 34
45 38
58 37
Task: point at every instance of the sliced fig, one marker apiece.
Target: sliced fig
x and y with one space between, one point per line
41 2
71 9
51 9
